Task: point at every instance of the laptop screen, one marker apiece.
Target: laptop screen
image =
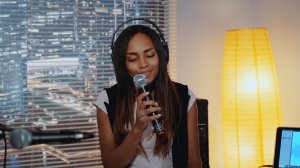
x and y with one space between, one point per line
287 149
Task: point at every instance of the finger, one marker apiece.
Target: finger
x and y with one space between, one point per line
142 114
151 110
151 118
142 95
151 103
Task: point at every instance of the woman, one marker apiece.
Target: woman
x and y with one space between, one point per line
126 135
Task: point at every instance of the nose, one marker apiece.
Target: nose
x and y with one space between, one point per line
143 62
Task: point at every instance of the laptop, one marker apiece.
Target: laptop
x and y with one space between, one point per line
287 148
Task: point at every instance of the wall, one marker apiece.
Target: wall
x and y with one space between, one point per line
201 26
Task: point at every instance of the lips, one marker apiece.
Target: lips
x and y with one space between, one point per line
147 74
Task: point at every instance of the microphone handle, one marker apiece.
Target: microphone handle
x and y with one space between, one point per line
158 123
62 136
38 138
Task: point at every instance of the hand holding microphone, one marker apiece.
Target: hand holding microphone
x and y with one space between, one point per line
143 111
140 82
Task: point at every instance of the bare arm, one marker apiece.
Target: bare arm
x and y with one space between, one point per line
114 155
194 159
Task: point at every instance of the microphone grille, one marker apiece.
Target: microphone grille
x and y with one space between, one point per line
140 80
20 138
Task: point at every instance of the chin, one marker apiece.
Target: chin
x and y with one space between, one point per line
149 80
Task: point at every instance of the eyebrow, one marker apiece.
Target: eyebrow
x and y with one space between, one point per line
134 53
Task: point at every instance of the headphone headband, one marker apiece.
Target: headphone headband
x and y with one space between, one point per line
159 32
141 19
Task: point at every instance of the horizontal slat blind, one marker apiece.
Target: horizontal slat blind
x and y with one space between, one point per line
54 60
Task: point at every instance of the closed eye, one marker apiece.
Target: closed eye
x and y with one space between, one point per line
149 56
150 53
131 58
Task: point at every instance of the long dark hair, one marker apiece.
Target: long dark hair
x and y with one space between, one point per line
162 87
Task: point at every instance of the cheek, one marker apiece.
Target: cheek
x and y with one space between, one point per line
130 67
156 64
156 70
156 67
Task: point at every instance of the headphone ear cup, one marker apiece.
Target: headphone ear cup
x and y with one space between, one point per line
166 51
112 53
112 57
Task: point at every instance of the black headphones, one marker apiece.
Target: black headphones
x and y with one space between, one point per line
160 34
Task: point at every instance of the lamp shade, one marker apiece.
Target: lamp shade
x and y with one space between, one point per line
250 99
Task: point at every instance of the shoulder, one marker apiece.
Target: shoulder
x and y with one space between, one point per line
185 90
112 89
181 91
177 84
101 99
104 97
184 87
180 87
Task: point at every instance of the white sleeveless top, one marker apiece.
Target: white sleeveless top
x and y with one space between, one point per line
148 139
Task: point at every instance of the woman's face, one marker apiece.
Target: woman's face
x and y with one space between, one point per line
141 57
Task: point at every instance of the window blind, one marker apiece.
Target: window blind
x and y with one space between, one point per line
54 60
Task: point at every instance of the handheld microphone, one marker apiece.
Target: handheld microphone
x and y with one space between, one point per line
140 81
20 138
